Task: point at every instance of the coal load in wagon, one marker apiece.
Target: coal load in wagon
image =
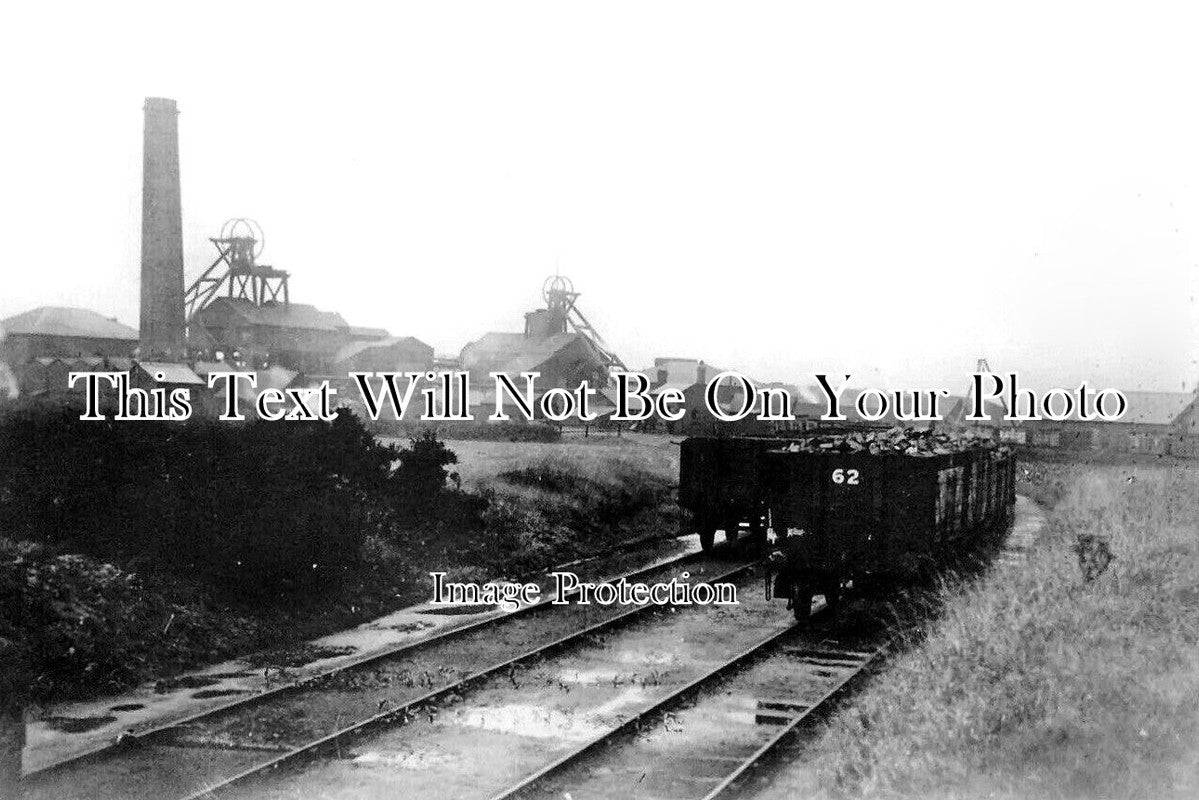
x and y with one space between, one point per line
898 440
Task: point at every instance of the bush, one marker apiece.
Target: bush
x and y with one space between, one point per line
75 615
422 472
257 508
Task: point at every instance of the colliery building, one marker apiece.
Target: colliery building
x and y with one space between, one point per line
301 337
58 332
382 353
44 345
296 335
564 358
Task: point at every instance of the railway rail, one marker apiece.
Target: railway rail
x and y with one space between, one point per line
208 752
521 732
704 740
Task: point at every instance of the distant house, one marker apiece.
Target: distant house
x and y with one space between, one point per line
58 376
677 371
955 408
1184 430
31 375
62 332
45 374
1154 422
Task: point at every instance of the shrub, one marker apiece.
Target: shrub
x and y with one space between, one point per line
256 509
422 472
75 616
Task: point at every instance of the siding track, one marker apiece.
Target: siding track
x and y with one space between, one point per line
208 752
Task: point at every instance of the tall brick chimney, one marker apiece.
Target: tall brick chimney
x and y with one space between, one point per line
162 322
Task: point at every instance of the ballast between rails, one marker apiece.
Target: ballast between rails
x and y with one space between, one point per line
154 733
790 728
399 714
764 649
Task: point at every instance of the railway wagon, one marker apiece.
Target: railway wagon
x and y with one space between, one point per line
878 517
722 485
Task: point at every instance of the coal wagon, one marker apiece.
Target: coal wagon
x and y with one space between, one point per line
877 517
868 507
722 484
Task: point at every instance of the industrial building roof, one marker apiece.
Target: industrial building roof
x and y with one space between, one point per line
171 372
362 332
354 348
514 353
273 377
538 351
63 321
678 386
495 346
203 368
281 315
276 377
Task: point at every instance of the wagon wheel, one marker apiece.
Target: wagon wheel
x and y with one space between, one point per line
757 533
801 601
832 594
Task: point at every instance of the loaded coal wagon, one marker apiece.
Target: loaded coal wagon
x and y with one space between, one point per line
722 485
879 507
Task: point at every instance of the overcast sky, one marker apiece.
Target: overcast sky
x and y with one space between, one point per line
892 190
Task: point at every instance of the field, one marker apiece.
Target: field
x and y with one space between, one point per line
551 502
1040 683
599 457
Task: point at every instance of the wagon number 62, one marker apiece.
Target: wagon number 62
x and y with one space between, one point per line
846 476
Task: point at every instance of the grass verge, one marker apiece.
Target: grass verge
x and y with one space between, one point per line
1035 683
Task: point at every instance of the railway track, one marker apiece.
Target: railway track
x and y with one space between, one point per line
223 747
553 722
704 740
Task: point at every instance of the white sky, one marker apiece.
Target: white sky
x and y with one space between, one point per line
891 190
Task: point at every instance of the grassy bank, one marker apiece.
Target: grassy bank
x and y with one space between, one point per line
543 504
98 623
1036 683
